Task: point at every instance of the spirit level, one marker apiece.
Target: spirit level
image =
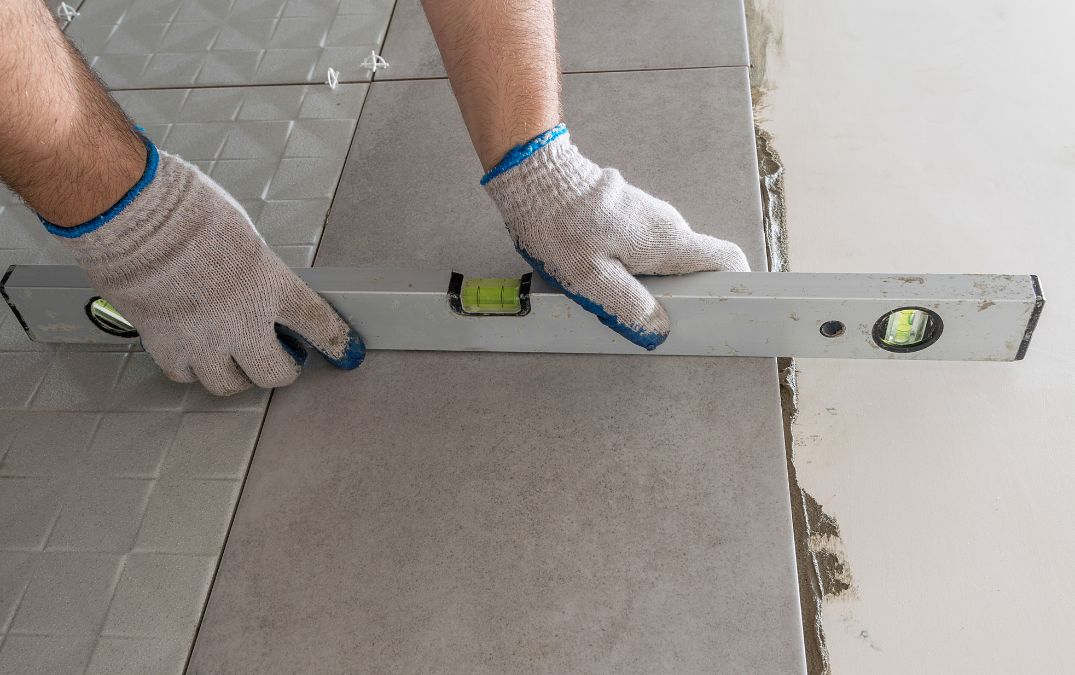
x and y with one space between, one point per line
960 317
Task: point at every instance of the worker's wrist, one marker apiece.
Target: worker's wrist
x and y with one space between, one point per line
149 172
520 153
540 176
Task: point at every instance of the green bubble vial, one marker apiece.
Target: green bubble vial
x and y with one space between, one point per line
906 327
490 296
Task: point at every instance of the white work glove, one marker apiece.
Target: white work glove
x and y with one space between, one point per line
585 230
181 260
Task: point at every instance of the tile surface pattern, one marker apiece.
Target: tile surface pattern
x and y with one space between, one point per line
179 43
277 150
117 486
109 536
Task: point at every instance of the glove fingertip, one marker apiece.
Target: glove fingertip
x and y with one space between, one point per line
726 256
353 354
649 340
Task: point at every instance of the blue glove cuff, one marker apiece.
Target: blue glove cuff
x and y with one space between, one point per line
152 159
520 153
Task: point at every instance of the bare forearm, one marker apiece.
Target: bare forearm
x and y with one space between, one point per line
501 58
65 146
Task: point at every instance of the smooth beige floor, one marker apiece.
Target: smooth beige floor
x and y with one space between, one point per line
938 137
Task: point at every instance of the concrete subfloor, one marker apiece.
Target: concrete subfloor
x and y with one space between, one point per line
935 137
447 512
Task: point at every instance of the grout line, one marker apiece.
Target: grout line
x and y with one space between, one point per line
418 78
387 29
423 78
237 86
336 188
231 522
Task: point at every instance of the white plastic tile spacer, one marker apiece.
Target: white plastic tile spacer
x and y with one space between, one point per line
66 12
373 62
333 80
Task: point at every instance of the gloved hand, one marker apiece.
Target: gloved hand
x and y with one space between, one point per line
181 260
585 230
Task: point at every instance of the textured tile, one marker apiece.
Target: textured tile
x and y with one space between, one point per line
213 445
411 147
130 445
100 515
159 596
542 513
15 569
142 386
12 336
78 381
188 516
34 654
48 444
21 375
133 656
278 150
179 43
28 509
68 594
296 256
598 35
11 422
23 240
251 399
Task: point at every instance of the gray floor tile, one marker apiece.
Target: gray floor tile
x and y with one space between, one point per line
278 150
78 381
35 654
213 445
510 513
22 374
201 400
159 596
178 43
296 256
187 516
135 656
685 136
68 594
100 514
541 513
15 569
142 386
23 240
130 445
29 507
598 35
48 444
12 336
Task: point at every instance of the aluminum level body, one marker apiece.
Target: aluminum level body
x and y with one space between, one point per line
984 317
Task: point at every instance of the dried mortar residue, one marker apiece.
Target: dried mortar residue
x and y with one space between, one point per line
822 563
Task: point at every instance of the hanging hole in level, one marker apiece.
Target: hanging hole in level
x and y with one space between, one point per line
831 329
